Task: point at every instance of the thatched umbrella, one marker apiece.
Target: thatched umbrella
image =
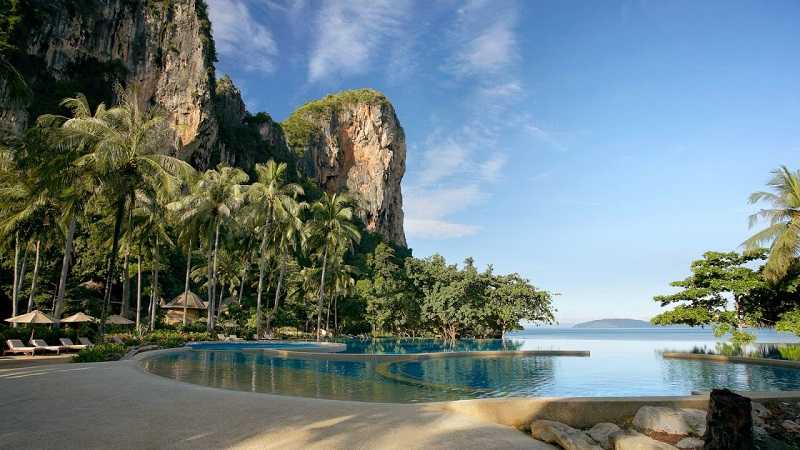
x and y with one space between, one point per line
78 318
34 317
116 319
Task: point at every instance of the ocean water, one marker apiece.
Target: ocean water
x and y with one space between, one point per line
623 362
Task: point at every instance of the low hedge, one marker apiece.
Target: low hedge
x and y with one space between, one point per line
101 353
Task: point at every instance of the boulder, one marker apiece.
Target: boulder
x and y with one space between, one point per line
730 422
632 440
601 431
760 413
672 421
564 435
690 443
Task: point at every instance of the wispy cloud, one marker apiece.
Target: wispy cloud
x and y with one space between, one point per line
351 33
240 37
427 210
484 38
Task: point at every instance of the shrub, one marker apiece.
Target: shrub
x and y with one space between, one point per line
101 353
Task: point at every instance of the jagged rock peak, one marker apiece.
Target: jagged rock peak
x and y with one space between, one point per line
352 141
165 47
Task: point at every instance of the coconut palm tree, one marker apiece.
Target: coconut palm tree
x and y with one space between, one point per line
272 201
211 201
126 146
331 228
783 232
285 240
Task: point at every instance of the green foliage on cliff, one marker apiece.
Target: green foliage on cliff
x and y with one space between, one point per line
303 124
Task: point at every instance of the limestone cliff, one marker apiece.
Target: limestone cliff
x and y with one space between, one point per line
353 141
163 46
245 139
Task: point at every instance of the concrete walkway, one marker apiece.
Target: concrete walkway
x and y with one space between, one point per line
119 406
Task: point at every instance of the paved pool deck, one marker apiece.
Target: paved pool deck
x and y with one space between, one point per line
117 405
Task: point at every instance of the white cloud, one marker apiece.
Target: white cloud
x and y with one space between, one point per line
240 37
490 51
507 89
427 210
349 34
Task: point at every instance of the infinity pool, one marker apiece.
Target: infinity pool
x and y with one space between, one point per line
616 367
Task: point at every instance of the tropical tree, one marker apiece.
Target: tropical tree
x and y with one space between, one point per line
126 146
331 228
275 210
783 233
211 202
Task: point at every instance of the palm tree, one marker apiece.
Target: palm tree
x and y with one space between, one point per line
211 201
783 232
286 239
273 204
125 154
331 228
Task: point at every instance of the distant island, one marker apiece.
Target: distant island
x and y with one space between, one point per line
614 323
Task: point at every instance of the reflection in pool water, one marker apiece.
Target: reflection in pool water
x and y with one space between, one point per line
618 366
407 345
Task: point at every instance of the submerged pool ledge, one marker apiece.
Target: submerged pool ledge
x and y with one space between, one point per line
310 354
583 412
732 359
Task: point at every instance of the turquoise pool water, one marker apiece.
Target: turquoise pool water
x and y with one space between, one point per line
621 364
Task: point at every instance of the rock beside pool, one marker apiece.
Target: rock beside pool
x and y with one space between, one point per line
601 432
563 435
675 422
690 443
759 413
730 421
633 440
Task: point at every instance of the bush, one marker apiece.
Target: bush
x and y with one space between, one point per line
170 339
101 353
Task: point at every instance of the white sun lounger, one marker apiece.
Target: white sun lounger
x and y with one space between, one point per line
85 341
69 345
16 346
40 343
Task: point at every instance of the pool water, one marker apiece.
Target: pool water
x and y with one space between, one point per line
622 363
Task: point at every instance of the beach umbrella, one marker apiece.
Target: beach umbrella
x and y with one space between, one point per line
78 318
34 317
116 319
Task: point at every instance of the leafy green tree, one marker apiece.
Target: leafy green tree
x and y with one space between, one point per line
726 292
276 211
783 232
126 146
212 201
331 227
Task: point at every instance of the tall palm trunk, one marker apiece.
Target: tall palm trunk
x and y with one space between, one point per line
214 274
209 288
277 296
35 274
186 282
219 302
112 257
156 297
126 280
126 284
139 287
21 279
241 282
261 264
16 275
62 280
321 292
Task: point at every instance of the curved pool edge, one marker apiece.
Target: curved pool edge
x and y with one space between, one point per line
516 412
732 359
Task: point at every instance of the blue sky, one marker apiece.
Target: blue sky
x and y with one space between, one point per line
597 148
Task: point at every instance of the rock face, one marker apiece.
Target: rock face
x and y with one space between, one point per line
353 142
730 422
670 421
164 47
565 436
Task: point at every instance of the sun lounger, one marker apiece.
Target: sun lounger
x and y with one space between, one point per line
222 337
16 346
85 341
117 340
69 345
233 337
40 343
